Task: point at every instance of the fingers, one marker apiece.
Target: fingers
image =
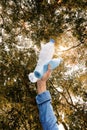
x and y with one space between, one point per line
49 68
46 75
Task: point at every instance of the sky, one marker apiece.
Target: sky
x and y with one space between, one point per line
61 127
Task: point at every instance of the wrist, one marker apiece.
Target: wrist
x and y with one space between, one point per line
41 86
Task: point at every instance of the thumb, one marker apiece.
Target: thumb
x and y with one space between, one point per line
49 67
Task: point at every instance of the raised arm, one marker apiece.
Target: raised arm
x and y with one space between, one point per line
43 99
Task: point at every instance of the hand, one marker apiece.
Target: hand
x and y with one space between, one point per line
41 84
46 75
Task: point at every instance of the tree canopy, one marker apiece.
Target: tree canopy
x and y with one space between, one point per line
24 25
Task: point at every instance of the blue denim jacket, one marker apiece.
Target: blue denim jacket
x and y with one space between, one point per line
46 114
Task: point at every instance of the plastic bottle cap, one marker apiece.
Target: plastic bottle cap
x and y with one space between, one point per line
32 78
52 41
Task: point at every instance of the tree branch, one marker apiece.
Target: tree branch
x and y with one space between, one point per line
73 47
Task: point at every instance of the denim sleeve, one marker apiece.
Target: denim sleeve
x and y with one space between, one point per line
46 114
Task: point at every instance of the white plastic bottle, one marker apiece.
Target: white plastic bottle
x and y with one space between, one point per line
38 74
45 56
46 53
53 63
